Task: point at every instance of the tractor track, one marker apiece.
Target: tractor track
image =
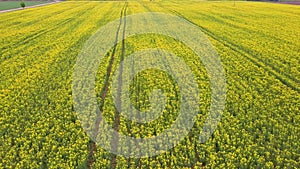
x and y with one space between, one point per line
92 145
116 125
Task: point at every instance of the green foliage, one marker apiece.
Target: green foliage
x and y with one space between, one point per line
22 4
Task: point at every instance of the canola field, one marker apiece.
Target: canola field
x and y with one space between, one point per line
259 47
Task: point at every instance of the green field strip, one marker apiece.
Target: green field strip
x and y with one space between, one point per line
5 5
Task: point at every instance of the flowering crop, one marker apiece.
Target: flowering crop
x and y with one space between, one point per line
259 48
